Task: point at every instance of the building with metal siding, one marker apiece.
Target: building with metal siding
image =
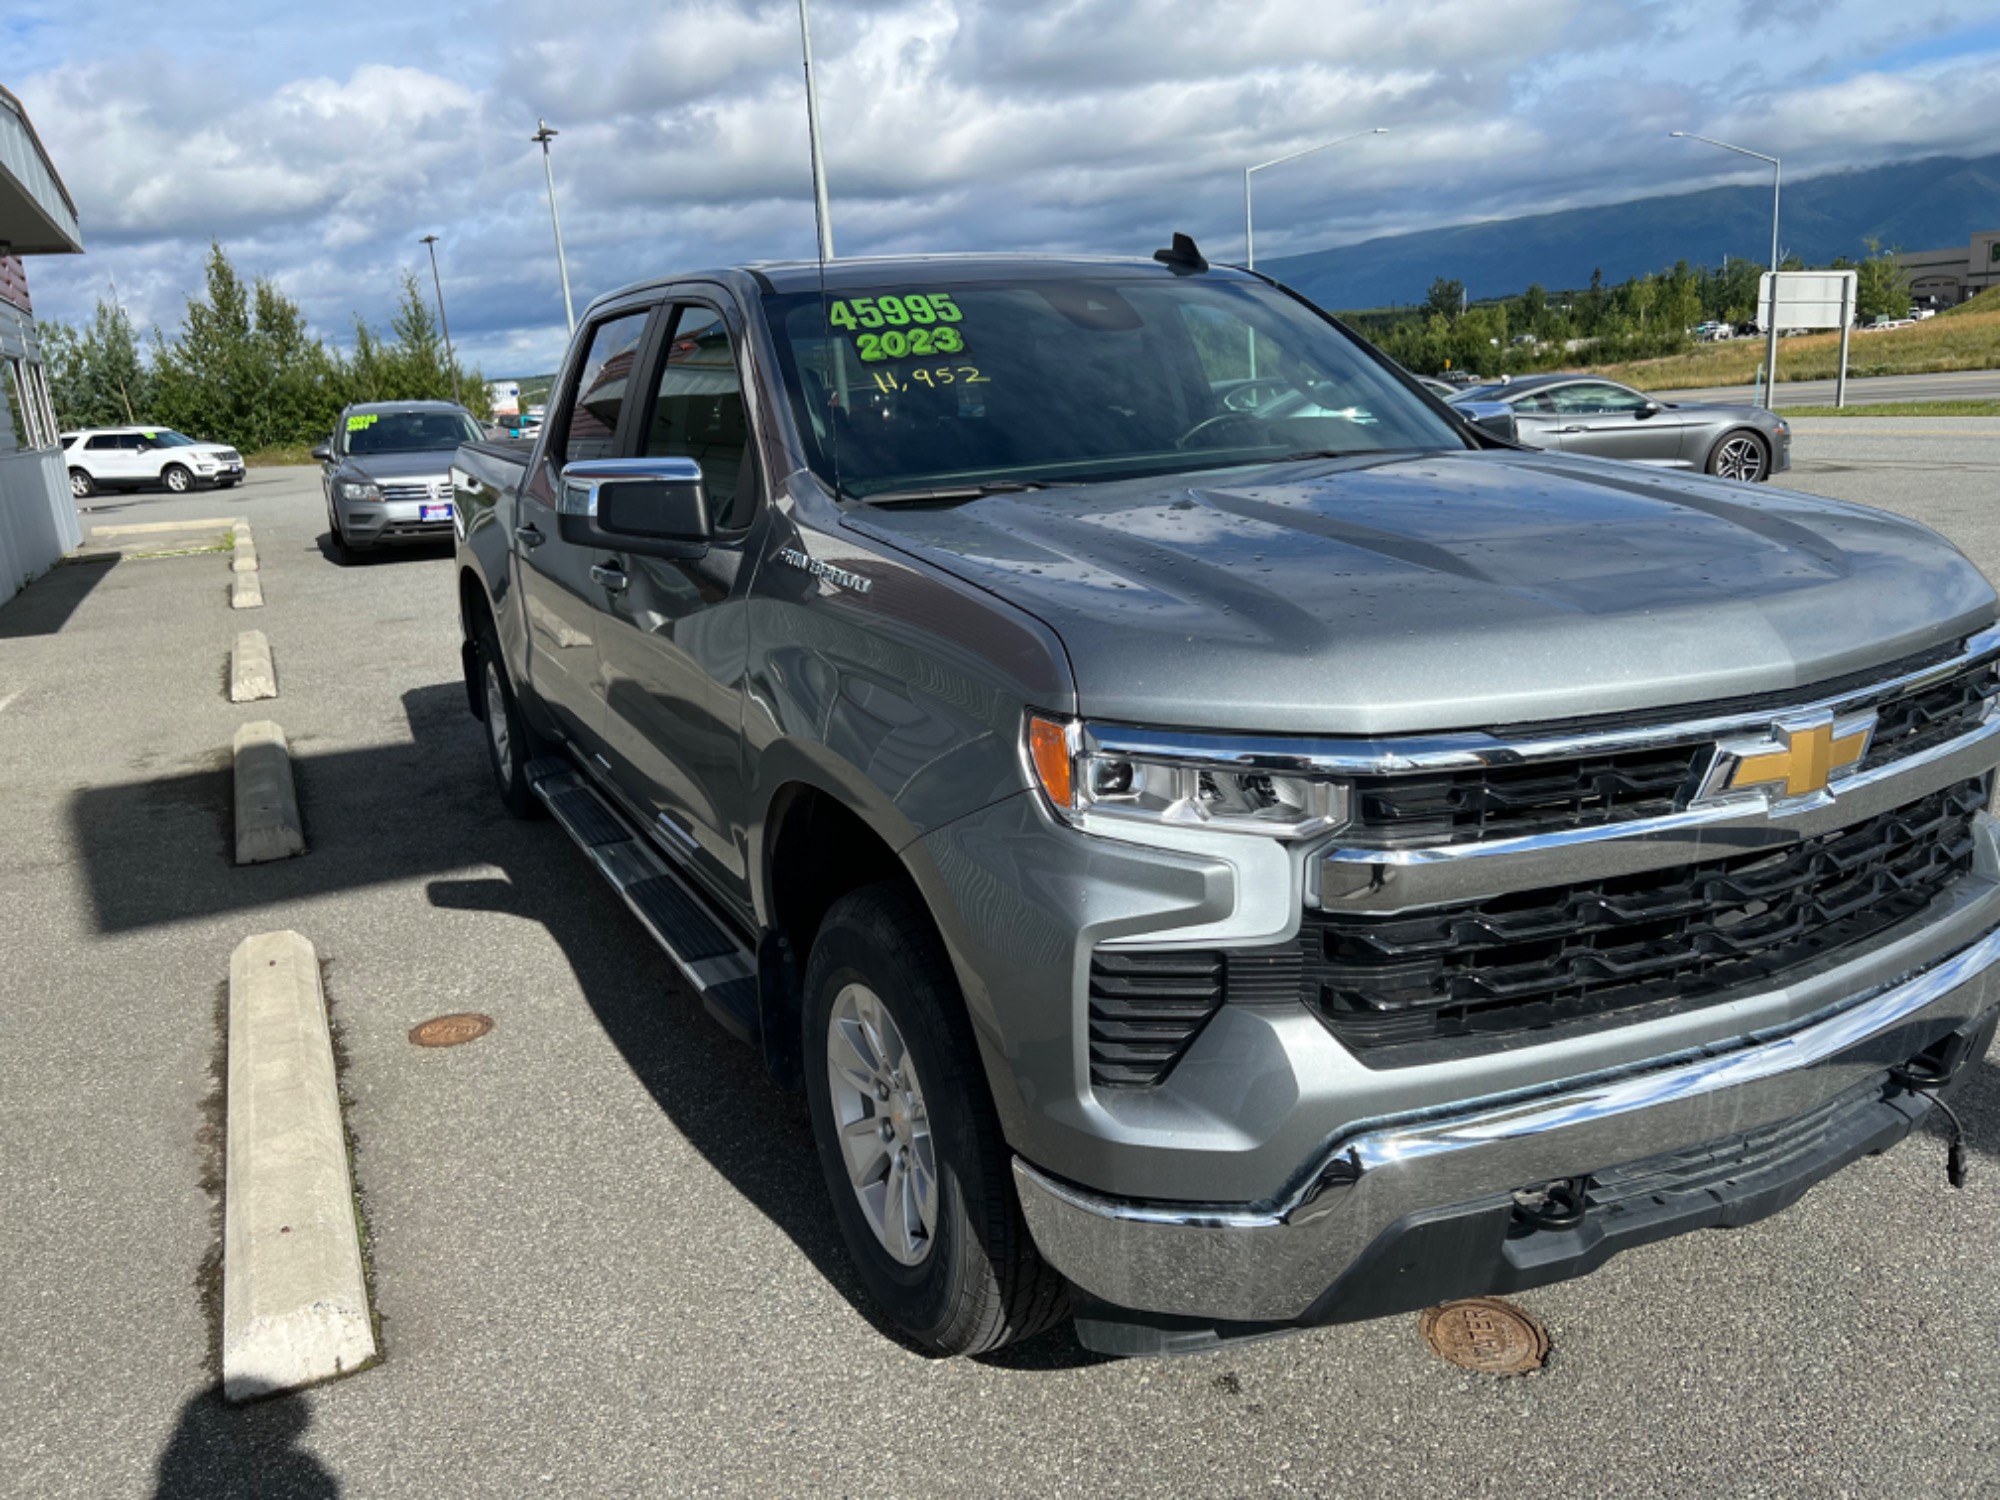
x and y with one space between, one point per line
1948 277
38 521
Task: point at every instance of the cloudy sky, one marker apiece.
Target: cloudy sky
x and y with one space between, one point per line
317 143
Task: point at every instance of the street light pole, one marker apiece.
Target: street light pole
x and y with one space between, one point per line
1771 313
823 217
450 358
545 135
1249 229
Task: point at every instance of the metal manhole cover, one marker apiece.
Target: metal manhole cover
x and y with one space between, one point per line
1485 1334
450 1031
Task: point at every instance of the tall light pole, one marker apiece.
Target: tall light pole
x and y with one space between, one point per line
450 358
1249 230
822 216
545 135
1770 313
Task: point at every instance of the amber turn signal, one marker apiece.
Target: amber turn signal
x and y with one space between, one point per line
1048 748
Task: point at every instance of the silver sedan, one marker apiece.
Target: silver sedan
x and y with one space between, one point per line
1600 418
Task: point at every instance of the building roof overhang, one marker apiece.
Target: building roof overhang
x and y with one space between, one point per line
37 215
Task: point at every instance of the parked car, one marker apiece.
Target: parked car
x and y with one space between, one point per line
1216 872
386 473
136 458
1598 418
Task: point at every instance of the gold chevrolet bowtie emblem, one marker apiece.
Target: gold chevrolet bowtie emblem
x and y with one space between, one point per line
1807 758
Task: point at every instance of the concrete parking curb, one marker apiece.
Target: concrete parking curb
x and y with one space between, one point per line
267 804
251 674
294 1295
243 557
247 592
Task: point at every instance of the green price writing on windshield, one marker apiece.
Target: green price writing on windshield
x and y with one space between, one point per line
895 312
355 424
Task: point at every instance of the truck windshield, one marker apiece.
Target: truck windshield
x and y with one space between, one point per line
1057 381
407 431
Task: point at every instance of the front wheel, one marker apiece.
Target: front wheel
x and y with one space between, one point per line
177 479
81 485
1740 455
908 1139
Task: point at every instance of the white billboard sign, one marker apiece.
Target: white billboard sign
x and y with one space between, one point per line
1809 299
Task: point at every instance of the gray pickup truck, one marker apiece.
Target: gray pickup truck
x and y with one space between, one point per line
1223 844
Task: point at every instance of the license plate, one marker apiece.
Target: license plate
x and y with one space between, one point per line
434 513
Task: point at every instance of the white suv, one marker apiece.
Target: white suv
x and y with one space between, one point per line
122 458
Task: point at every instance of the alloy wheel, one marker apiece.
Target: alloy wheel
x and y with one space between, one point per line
885 1133
1741 458
79 485
176 479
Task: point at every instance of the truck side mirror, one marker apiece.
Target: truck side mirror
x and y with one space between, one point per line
1496 417
655 507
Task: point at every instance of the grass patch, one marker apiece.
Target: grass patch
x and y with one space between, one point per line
282 456
1969 341
1900 409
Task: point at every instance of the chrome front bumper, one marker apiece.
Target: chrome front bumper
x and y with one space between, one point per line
1274 1265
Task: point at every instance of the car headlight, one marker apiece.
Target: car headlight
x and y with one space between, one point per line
349 490
1085 781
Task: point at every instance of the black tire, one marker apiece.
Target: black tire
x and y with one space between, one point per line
980 1283
337 546
177 479
1742 455
509 750
81 485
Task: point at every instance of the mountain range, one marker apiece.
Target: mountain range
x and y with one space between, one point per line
1929 204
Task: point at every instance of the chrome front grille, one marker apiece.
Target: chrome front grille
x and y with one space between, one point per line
1498 891
428 490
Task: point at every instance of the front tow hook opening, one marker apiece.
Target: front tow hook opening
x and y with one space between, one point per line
1558 1205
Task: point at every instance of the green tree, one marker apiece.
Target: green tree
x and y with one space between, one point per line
1446 297
96 376
1882 286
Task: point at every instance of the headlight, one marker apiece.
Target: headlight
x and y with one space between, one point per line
1084 781
349 490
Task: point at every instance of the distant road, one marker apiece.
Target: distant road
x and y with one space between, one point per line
1958 385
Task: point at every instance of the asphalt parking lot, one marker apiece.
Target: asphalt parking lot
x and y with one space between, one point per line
602 1255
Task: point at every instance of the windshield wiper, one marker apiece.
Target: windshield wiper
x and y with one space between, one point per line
950 494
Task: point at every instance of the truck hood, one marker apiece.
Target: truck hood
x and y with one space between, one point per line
422 464
1445 591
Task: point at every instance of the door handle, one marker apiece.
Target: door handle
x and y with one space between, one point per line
529 536
1572 429
610 575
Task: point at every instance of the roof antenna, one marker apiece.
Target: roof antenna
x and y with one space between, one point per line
836 362
1183 257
